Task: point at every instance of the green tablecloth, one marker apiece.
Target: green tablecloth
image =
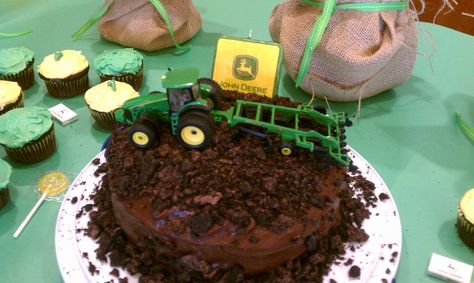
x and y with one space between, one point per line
408 134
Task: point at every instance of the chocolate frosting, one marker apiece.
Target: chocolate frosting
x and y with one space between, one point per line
225 245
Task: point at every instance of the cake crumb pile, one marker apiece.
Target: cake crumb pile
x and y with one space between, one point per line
208 183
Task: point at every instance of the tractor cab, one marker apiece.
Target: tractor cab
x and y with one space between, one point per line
181 87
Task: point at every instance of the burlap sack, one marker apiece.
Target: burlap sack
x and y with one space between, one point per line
360 54
137 24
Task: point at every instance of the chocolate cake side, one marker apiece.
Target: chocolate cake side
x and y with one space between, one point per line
241 183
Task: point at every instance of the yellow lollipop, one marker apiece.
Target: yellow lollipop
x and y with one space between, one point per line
51 184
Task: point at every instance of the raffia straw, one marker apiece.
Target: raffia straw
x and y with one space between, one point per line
467 14
359 102
424 33
327 104
313 95
445 3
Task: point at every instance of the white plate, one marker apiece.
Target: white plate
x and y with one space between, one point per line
374 257
71 246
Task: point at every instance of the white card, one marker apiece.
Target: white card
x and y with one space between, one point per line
63 114
449 269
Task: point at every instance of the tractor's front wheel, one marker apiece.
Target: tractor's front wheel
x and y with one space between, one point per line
142 136
195 131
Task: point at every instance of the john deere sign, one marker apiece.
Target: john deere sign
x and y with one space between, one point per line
247 66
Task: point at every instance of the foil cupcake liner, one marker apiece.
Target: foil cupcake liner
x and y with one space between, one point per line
465 230
68 87
135 80
4 197
17 104
24 78
34 151
105 119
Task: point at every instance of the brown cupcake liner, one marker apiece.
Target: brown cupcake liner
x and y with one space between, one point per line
24 78
105 119
34 151
4 197
68 87
17 104
135 80
465 230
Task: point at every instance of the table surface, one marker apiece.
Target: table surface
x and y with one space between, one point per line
408 134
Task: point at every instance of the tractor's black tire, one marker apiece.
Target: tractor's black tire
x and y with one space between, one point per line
150 120
142 135
215 91
194 131
202 113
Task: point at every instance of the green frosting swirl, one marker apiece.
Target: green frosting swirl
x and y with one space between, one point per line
5 172
22 125
118 61
14 60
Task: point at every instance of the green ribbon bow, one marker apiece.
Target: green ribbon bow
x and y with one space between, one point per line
85 27
465 128
15 34
160 8
322 21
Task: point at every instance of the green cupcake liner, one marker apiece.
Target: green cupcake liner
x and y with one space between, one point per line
135 80
105 119
24 78
4 197
465 230
68 87
34 151
17 104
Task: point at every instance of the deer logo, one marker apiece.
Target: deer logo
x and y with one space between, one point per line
245 67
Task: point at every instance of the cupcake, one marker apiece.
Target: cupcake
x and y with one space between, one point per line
11 96
65 73
5 172
27 134
16 64
104 98
125 65
465 222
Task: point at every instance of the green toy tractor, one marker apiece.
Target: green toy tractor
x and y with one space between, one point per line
186 106
191 107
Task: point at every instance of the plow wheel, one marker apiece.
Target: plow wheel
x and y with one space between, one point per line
286 149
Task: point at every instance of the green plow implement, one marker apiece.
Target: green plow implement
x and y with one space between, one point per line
294 126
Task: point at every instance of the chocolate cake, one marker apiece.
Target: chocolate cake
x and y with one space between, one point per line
236 212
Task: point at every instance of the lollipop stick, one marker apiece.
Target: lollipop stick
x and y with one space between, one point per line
28 217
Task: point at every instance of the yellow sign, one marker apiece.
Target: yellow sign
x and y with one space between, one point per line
247 66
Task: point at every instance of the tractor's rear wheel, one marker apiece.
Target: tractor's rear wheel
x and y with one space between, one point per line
215 91
195 131
142 135
204 114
